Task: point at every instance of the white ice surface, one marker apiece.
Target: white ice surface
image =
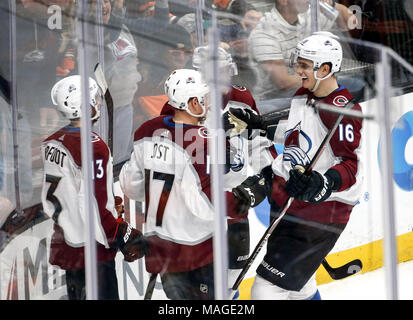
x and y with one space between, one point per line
370 285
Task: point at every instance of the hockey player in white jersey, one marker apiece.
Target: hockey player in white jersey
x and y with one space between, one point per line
324 199
169 170
248 153
63 193
245 155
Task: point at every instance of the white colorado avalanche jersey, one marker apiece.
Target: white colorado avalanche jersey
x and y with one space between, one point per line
169 170
303 133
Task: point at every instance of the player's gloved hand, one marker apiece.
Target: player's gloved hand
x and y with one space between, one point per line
233 125
130 241
246 118
227 123
314 187
251 192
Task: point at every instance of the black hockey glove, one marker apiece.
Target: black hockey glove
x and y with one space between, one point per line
130 241
246 119
251 192
313 188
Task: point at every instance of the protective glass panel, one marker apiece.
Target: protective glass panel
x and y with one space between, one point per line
45 228
359 242
169 172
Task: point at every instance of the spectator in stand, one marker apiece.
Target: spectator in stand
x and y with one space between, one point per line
121 64
271 43
148 18
233 31
164 52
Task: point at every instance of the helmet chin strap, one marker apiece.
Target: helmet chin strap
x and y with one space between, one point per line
197 115
317 84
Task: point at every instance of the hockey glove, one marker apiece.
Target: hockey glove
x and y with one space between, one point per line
245 119
130 241
251 192
314 187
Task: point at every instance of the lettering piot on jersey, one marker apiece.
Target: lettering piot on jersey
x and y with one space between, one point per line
54 155
340 101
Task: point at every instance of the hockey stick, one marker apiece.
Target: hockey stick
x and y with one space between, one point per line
150 287
275 116
287 204
100 79
344 271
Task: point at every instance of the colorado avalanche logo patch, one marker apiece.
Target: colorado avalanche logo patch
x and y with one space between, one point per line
340 101
239 88
203 132
297 145
95 138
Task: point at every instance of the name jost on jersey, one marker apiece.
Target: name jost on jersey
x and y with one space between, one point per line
54 155
159 151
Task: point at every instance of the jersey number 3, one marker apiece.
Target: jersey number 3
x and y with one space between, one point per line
54 181
163 199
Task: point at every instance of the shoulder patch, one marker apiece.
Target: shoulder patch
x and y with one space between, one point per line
240 88
203 132
95 138
340 101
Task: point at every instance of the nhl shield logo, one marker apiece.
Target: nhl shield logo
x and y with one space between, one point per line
203 288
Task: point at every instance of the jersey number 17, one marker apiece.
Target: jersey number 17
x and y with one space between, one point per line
163 199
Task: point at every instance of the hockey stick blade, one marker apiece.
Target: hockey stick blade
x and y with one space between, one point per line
344 271
101 81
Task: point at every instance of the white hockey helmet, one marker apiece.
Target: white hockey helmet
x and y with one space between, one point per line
200 56
184 84
320 48
66 95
